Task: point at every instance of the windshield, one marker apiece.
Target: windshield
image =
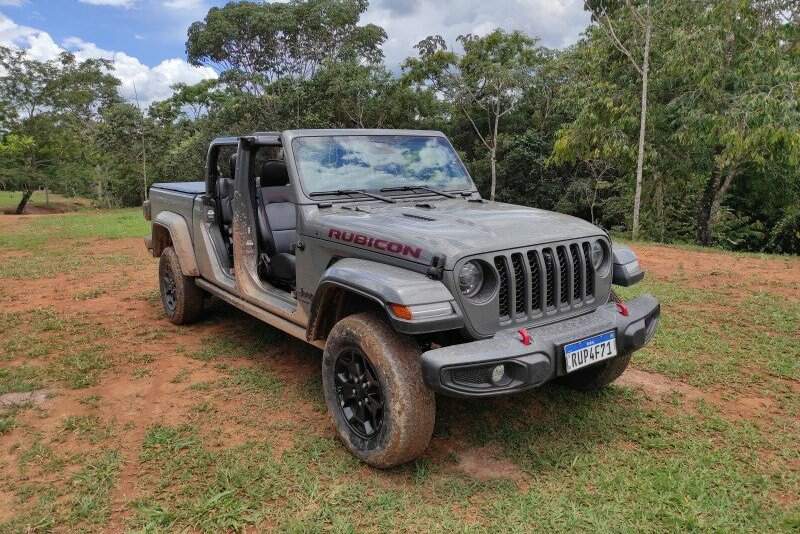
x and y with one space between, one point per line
374 162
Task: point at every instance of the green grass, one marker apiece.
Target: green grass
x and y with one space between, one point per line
88 428
257 380
77 502
54 349
90 225
674 473
7 423
20 379
705 338
43 332
92 487
60 244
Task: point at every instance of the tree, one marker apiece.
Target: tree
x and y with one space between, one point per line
253 44
486 82
643 17
736 112
54 106
20 171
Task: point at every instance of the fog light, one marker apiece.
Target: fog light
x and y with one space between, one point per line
499 374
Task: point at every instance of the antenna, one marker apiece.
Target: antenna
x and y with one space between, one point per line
144 144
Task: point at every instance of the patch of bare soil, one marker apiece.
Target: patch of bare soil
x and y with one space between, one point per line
30 398
486 463
6 506
731 274
659 387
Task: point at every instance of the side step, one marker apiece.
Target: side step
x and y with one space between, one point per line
262 315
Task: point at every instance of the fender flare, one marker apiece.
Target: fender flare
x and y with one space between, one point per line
387 284
181 240
626 268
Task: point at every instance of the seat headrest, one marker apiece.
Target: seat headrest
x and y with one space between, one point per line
232 162
274 174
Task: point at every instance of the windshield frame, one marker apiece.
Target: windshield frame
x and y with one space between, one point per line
292 136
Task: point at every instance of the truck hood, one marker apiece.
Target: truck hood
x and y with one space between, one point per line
451 228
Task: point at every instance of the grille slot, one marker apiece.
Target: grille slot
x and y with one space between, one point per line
550 277
536 284
502 271
587 260
544 281
563 276
519 283
577 277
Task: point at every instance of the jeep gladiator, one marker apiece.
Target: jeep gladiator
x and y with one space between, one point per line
375 246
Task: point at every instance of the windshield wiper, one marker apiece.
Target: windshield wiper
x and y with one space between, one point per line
421 187
352 192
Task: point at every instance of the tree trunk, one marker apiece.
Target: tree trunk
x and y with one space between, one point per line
494 150
659 198
26 196
637 199
494 173
710 203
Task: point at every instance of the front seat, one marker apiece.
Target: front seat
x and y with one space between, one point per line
277 222
225 199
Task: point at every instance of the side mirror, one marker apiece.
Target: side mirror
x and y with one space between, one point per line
627 270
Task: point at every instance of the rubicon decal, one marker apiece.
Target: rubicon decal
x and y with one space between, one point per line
375 242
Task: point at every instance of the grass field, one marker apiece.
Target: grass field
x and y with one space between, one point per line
112 419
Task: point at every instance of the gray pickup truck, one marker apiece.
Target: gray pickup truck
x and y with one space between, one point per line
375 246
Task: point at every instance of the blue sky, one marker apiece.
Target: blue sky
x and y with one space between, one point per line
146 29
145 38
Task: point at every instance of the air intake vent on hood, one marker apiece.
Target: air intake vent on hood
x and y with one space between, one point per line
420 217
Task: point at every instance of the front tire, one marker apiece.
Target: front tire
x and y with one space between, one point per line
181 298
372 381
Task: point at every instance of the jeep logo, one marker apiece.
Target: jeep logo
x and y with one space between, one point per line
377 244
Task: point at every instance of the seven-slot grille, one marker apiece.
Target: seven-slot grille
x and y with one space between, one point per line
546 279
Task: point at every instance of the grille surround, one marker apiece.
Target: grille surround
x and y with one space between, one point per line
566 285
482 317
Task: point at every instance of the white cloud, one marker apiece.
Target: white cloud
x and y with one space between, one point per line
113 3
12 3
184 4
151 83
39 44
557 22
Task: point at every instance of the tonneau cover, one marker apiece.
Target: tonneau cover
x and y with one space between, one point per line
192 188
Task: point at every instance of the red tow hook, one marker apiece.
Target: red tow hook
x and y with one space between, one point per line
622 308
524 336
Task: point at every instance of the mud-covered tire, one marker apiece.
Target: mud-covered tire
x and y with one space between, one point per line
408 406
181 298
598 375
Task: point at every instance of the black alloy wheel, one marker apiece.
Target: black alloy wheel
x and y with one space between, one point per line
169 291
359 393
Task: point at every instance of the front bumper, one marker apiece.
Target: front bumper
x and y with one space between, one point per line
464 370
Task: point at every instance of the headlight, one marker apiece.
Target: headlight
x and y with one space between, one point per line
470 279
598 254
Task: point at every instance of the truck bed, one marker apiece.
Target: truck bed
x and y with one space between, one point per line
192 188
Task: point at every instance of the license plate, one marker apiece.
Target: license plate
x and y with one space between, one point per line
590 350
